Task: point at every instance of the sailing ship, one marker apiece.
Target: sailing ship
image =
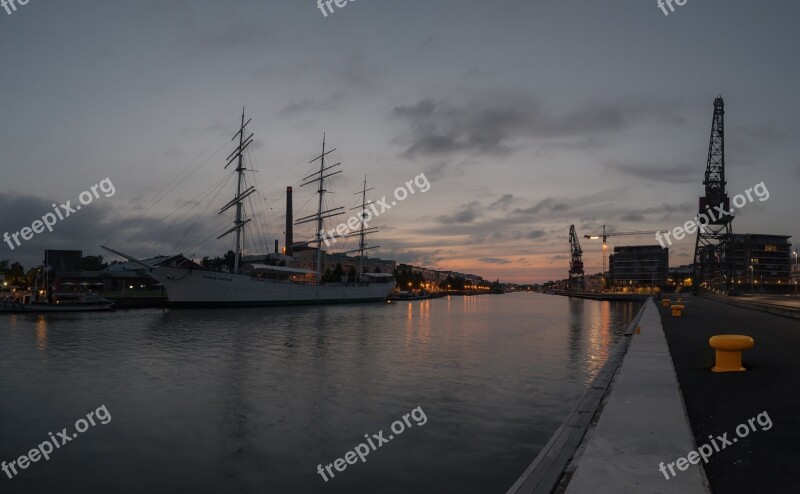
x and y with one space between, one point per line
250 285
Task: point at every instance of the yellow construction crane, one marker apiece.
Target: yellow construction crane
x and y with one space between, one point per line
605 236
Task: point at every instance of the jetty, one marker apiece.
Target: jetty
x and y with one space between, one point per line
659 402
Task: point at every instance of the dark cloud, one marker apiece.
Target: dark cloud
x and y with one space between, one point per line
98 223
673 174
305 105
632 217
536 234
469 213
494 260
237 36
502 202
548 205
491 124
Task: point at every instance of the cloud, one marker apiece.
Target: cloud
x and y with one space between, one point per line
492 123
536 234
632 217
549 204
360 74
502 202
674 174
306 105
236 36
95 224
494 260
468 214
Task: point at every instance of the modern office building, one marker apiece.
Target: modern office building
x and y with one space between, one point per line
765 261
639 265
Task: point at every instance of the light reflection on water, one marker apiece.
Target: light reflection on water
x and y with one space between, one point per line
252 400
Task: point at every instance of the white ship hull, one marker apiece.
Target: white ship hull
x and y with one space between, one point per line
199 288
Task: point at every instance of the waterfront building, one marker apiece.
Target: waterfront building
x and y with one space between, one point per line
593 283
761 260
639 266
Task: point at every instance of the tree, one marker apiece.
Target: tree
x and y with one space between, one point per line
93 263
351 275
230 260
31 275
15 275
338 272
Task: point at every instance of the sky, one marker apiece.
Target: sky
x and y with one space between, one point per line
524 117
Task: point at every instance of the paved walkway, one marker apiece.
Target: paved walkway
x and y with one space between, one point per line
784 306
768 458
643 423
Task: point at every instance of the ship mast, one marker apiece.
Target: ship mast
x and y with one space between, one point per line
364 230
320 215
238 156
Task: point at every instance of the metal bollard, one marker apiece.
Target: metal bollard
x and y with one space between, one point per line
728 349
676 310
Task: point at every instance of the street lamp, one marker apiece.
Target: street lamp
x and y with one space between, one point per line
751 279
796 273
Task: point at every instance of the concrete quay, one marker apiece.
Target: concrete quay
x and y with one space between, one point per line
717 403
782 306
641 425
664 402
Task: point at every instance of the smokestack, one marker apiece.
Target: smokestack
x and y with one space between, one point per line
289 222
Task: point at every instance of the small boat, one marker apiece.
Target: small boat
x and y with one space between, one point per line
63 302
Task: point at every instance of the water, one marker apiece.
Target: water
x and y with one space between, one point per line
251 401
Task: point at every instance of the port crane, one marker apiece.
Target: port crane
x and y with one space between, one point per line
576 279
713 253
607 234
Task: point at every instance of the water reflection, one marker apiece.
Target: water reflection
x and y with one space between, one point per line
575 340
230 401
41 336
594 328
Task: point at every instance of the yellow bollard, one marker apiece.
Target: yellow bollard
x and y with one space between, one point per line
680 300
676 310
666 302
729 351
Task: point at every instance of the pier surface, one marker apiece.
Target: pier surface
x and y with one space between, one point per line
783 306
765 460
642 423
665 402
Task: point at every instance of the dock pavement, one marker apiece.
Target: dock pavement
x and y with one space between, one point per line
768 458
642 424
